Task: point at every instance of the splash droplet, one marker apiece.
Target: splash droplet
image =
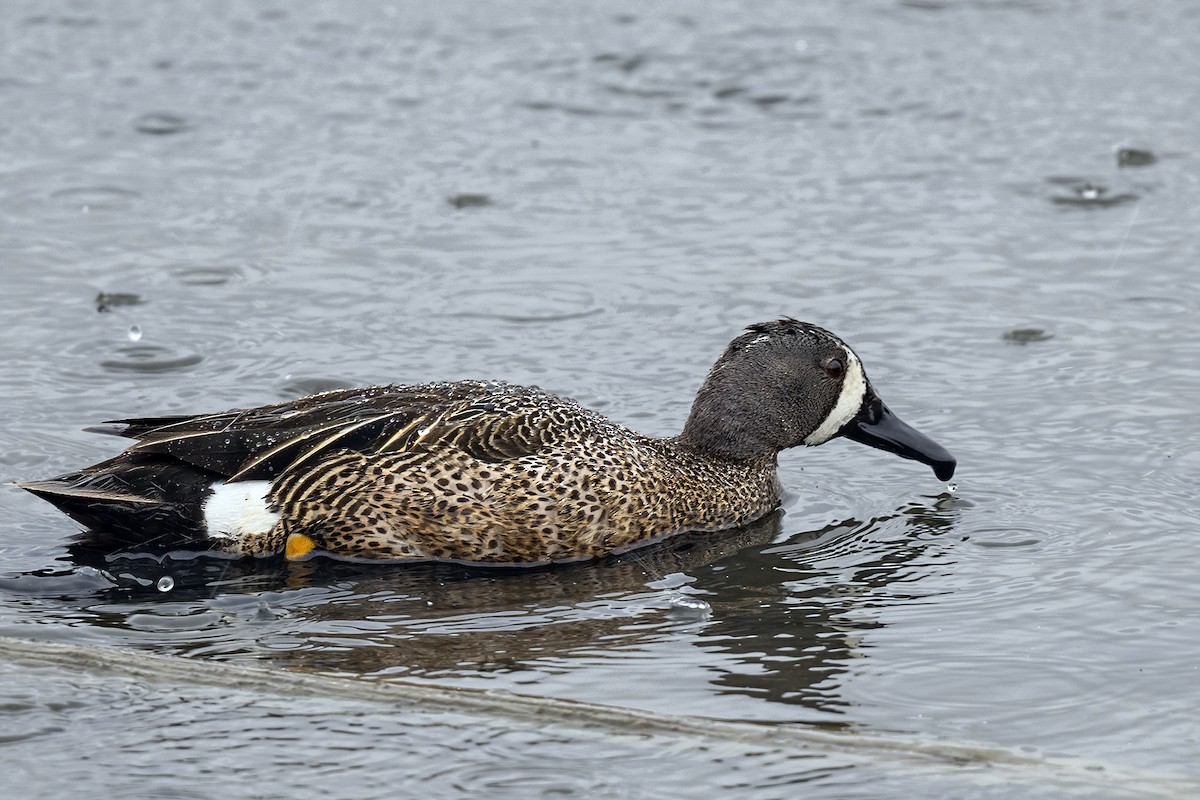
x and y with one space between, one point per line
688 606
166 583
951 487
135 333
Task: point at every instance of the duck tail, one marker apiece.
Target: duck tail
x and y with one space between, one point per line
133 503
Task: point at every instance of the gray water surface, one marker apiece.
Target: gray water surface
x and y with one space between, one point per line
224 205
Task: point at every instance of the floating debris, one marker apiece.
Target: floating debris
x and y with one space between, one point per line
1135 157
107 301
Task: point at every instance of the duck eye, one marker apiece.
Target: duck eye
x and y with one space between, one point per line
834 368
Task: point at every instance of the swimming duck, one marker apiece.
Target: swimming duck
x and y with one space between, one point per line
481 471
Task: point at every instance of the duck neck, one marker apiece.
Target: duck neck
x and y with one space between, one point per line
725 436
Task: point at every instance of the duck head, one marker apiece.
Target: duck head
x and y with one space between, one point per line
788 383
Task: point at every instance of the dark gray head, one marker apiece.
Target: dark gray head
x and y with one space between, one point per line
787 383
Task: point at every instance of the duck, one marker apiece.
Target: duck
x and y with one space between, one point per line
481 472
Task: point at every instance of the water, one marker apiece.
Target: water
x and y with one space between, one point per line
596 200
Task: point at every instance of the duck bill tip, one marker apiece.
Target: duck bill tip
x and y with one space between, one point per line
876 426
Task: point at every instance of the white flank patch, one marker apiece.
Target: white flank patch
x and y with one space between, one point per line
854 389
234 510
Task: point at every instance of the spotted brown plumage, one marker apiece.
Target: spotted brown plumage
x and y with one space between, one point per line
481 471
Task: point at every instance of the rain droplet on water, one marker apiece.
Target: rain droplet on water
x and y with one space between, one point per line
166 583
135 333
689 605
264 613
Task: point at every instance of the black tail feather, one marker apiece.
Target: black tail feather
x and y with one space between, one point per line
134 502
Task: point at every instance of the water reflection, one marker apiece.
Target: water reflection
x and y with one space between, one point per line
788 612
818 615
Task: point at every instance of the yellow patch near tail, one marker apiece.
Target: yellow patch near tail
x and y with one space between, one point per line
298 545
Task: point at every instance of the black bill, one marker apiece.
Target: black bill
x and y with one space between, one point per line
877 426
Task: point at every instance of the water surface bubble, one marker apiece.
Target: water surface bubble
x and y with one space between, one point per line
688 606
135 333
165 584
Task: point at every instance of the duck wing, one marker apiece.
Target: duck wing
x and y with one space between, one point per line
155 490
492 422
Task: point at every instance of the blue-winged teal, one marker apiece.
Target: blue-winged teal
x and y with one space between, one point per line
481 471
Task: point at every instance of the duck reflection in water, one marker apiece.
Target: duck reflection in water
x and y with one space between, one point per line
784 623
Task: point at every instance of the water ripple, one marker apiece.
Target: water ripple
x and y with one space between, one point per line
207 274
525 303
96 198
161 124
150 358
